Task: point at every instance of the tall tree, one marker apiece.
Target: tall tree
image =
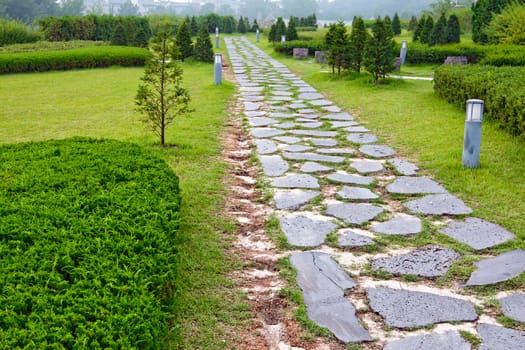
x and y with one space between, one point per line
119 36
280 28
379 52
337 45
241 26
396 24
183 41
412 24
203 46
482 13
453 29
439 32
508 27
272 34
357 42
419 29
426 33
194 27
291 31
161 96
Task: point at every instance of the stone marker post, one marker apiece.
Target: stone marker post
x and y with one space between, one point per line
218 69
403 54
257 35
472 138
216 37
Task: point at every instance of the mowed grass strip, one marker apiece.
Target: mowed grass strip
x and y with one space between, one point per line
100 103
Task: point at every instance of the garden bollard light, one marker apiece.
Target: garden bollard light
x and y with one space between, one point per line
216 37
403 54
257 35
283 39
472 138
218 69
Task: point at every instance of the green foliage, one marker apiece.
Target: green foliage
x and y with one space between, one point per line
194 27
119 36
241 26
84 264
396 24
357 42
272 34
203 46
379 51
161 96
426 32
12 32
183 41
419 29
438 36
501 88
483 10
280 29
50 46
453 30
291 31
85 57
311 45
508 26
337 46
412 24
138 39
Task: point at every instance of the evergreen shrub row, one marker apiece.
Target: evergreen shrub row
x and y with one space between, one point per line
12 32
501 88
88 237
312 45
85 57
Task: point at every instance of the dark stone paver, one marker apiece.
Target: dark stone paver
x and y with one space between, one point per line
377 151
477 233
323 142
414 185
296 181
357 193
499 269
362 138
304 231
353 213
499 338
323 283
450 340
293 199
313 167
351 179
438 204
404 167
265 146
430 261
262 133
273 165
367 166
403 226
513 307
314 157
406 309
348 238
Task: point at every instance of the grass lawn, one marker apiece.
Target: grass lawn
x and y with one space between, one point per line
100 103
427 130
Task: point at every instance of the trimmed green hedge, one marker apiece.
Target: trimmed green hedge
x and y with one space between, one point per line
501 88
312 45
88 236
85 57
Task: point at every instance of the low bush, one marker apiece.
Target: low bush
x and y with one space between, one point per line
504 55
312 45
88 236
51 46
12 32
501 88
86 57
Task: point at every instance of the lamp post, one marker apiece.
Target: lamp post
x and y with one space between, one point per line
403 54
257 35
472 138
216 37
218 69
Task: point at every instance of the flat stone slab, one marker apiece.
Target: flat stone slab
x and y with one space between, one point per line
310 96
251 88
308 111
293 199
513 306
320 103
353 213
362 138
332 109
314 157
357 193
351 179
262 133
323 283
261 121
348 238
499 269
314 133
499 338
414 185
306 89
313 167
438 204
404 226
450 340
310 125
343 124
335 151
338 116
254 114
297 105
367 166
296 181
430 261
377 151
254 98
296 148
281 93
281 98
306 231
288 139
406 309
274 165
324 142
250 106
280 115
404 167
265 146
358 129
477 233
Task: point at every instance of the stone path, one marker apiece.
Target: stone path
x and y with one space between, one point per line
336 190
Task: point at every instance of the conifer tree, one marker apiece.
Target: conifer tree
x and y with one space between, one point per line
241 26
426 33
396 24
453 29
203 46
280 29
357 43
183 41
119 37
139 38
337 47
379 51
161 96
439 32
255 26
271 34
291 32
419 29
194 27
412 24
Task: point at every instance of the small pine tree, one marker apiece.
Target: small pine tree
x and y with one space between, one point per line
161 96
272 33
412 24
426 33
419 29
280 29
255 26
388 22
203 46
194 27
183 41
338 47
139 38
241 26
453 29
229 24
119 37
396 24
439 32
357 42
291 32
379 51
